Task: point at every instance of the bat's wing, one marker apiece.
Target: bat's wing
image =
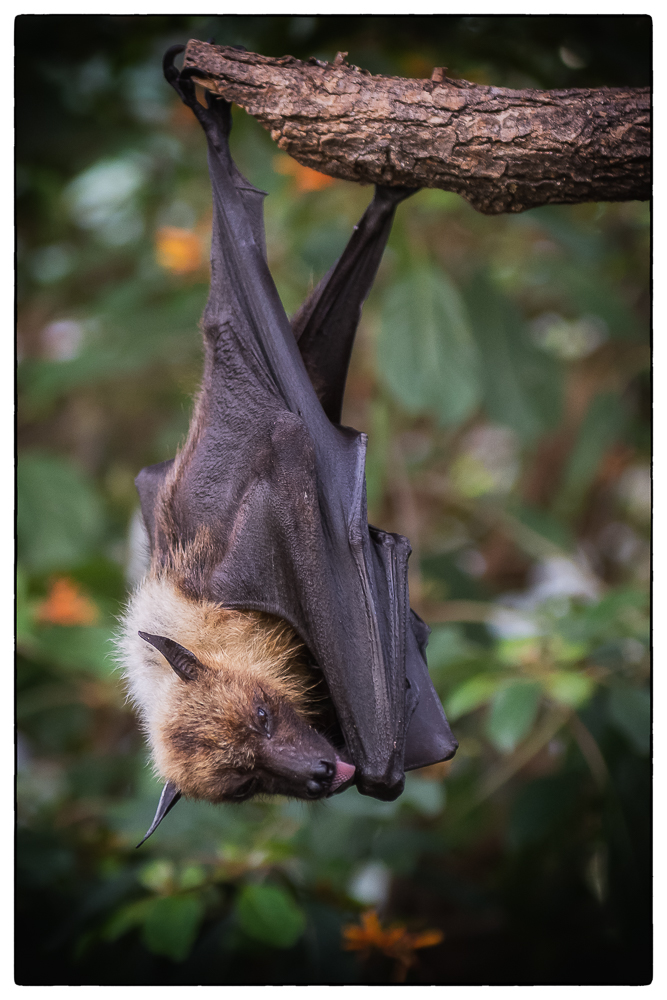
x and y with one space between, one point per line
325 327
280 490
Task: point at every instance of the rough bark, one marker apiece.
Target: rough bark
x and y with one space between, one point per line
503 150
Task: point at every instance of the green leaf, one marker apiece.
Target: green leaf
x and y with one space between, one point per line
426 353
452 582
566 652
88 648
125 918
141 327
522 385
427 797
600 428
621 612
269 914
157 875
630 711
539 808
377 454
400 847
543 523
569 688
24 615
171 924
192 877
472 693
60 515
585 278
513 712
513 651
323 243
446 644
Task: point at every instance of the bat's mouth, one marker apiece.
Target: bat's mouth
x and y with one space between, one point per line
344 775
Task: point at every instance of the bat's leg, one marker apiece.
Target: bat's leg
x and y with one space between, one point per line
216 120
326 323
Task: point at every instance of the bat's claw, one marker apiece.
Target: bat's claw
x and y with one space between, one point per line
179 77
181 80
168 68
215 118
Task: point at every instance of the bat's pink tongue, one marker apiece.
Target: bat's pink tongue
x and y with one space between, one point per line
343 773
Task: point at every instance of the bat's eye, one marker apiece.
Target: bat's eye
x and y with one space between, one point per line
264 721
244 791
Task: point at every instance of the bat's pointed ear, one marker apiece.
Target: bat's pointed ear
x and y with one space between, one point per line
185 663
168 799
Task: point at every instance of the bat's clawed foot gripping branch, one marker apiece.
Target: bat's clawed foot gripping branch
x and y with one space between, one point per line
217 116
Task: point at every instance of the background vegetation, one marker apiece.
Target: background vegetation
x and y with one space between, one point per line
502 373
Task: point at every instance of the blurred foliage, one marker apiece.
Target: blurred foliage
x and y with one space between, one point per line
501 372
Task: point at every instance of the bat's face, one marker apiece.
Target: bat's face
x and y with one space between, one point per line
227 738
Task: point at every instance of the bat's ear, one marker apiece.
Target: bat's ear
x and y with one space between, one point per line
185 663
168 799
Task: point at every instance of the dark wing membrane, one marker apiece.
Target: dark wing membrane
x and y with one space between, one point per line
429 738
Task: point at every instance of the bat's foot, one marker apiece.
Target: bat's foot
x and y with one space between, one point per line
179 79
216 118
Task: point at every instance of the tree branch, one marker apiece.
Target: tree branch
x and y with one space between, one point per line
503 150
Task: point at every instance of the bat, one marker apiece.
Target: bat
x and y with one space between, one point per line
271 648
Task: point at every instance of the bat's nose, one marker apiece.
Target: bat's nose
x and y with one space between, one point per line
324 769
321 777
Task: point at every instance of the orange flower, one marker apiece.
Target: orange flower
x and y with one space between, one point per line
178 250
305 179
66 605
395 942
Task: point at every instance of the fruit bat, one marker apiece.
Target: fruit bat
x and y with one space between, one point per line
271 648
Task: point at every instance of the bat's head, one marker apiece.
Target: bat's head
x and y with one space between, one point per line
227 705
227 734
